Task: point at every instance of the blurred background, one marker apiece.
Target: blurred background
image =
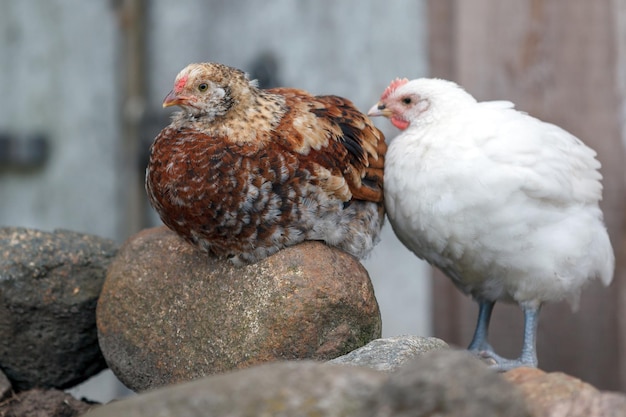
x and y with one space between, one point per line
82 84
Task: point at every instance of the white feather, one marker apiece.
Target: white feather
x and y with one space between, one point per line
505 204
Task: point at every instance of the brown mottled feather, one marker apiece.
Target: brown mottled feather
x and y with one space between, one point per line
243 172
334 134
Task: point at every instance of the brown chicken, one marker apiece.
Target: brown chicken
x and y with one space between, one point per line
243 172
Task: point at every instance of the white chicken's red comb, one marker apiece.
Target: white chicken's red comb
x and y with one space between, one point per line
392 87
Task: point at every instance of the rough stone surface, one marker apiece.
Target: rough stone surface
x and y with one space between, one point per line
447 383
296 388
43 403
49 286
169 314
391 353
442 382
556 394
5 386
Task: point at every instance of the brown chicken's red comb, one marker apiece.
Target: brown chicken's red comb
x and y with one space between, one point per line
392 87
180 84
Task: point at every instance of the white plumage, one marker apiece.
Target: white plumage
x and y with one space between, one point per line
504 204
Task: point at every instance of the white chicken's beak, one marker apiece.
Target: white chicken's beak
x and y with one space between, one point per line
378 109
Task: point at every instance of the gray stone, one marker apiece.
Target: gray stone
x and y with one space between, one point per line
49 287
447 383
283 389
43 403
391 353
169 313
5 386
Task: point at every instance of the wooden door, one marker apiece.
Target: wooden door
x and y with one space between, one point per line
557 60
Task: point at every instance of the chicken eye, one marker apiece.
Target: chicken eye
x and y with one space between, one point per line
203 87
407 100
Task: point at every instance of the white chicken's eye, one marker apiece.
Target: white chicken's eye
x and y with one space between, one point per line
407 100
203 87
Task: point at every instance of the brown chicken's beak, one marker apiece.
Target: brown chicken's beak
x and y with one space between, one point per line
173 99
379 109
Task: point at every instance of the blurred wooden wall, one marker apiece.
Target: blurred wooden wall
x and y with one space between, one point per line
558 60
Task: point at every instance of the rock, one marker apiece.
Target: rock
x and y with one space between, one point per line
49 287
296 388
586 404
43 403
391 353
556 394
5 386
169 313
447 383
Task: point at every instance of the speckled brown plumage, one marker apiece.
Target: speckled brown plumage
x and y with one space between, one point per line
243 172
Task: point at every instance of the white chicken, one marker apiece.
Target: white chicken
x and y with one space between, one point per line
506 205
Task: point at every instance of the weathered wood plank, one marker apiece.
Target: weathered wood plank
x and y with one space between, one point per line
557 60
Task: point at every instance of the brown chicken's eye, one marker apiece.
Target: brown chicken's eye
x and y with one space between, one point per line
406 100
203 87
